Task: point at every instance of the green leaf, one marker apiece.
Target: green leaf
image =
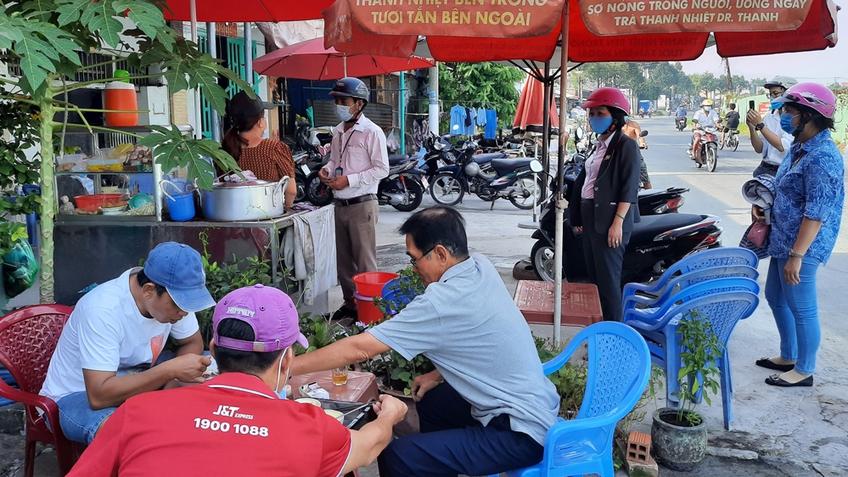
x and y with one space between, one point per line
102 20
70 11
147 17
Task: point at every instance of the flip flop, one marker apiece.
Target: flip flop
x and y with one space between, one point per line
776 380
769 364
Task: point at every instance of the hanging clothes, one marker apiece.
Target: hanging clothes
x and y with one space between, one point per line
457 120
420 129
481 117
470 122
491 124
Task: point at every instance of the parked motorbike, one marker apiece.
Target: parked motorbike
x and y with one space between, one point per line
487 177
731 140
705 147
680 123
659 239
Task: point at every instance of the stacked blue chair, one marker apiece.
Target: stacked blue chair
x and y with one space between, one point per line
701 266
619 366
723 301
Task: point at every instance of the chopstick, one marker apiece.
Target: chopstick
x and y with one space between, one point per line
369 403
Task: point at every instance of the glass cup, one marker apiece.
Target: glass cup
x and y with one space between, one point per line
340 376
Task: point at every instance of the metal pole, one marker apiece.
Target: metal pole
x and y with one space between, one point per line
248 54
560 202
433 97
212 47
402 112
546 127
195 94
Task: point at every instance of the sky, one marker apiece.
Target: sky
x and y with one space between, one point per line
818 66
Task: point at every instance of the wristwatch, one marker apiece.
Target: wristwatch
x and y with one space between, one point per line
759 127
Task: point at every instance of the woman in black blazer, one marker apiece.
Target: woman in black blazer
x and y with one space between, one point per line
603 194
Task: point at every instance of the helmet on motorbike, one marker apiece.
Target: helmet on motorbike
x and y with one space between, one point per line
706 102
812 95
784 82
351 87
472 169
609 97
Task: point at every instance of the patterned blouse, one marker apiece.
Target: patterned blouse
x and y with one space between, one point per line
270 160
809 183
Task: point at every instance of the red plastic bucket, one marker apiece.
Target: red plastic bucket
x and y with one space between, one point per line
369 285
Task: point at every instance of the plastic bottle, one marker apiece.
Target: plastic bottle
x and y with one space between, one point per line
121 95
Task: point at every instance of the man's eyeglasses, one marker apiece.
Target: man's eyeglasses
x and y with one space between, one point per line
414 261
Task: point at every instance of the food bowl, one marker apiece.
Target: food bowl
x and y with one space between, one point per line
338 415
113 210
311 401
139 200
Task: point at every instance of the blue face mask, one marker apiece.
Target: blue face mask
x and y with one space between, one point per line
626 118
343 113
600 125
281 394
786 122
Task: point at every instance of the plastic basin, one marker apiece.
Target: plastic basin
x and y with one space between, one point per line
93 202
396 298
370 284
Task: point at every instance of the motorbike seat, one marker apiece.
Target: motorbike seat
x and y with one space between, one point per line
488 157
652 225
398 159
505 166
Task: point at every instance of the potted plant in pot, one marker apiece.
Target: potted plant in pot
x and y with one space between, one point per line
679 435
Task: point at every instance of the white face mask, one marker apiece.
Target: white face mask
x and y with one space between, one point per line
707 108
343 113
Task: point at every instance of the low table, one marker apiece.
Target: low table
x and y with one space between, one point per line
581 305
360 387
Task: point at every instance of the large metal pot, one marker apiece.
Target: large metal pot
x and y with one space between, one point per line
254 200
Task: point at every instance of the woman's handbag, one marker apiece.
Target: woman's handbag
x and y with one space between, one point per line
756 239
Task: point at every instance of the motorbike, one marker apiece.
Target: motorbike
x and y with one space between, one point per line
680 123
403 188
659 239
487 176
705 147
731 140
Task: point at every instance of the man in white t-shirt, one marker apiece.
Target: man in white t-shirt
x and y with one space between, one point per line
112 340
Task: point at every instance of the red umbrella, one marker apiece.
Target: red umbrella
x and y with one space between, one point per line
310 60
247 10
531 106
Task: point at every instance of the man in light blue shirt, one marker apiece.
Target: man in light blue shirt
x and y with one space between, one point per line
488 405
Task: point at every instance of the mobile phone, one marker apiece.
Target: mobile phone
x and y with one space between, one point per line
339 171
751 105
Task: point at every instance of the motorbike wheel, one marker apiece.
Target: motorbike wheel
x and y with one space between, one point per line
526 203
415 193
316 192
542 257
301 188
446 189
734 143
712 157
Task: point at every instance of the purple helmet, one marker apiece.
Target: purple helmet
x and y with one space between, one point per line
812 95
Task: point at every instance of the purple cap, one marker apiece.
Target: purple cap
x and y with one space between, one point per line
267 310
179 269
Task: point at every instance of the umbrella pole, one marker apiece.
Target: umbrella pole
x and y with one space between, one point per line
195 94
344 64
546 127
560 202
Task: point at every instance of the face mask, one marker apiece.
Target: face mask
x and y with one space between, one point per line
343 113
786 122
707 108
281 394
626 118
600 125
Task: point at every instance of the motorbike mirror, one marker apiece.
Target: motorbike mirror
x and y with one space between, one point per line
438 146
643 133
579 133
536 166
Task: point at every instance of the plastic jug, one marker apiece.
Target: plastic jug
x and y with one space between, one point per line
121 96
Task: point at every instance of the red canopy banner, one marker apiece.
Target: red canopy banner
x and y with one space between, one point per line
623 17
343 34
246 10
470 18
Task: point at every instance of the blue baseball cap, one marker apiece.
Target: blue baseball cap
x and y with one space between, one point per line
179 269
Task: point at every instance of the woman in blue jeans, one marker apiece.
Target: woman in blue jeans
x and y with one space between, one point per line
805 221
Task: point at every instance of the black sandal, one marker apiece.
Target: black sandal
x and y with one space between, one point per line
769 364
776 380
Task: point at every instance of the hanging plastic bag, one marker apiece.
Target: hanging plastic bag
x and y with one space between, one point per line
20 268
392 141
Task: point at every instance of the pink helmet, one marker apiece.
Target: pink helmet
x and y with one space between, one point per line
812 95
609 97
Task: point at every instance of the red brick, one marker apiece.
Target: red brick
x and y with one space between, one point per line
638 447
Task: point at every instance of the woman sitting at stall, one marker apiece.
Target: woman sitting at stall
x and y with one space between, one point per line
268 159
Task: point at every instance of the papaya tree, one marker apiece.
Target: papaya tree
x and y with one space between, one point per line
46 37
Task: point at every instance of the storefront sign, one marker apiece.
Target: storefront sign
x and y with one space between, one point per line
624 17
468 18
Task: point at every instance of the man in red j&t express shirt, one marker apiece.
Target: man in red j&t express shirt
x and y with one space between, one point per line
237 424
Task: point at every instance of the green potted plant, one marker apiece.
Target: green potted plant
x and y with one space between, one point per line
679 435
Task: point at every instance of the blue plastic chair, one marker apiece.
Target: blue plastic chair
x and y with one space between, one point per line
619 367
698 267
724 305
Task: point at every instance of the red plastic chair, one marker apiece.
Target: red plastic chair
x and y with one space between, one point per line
28 338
